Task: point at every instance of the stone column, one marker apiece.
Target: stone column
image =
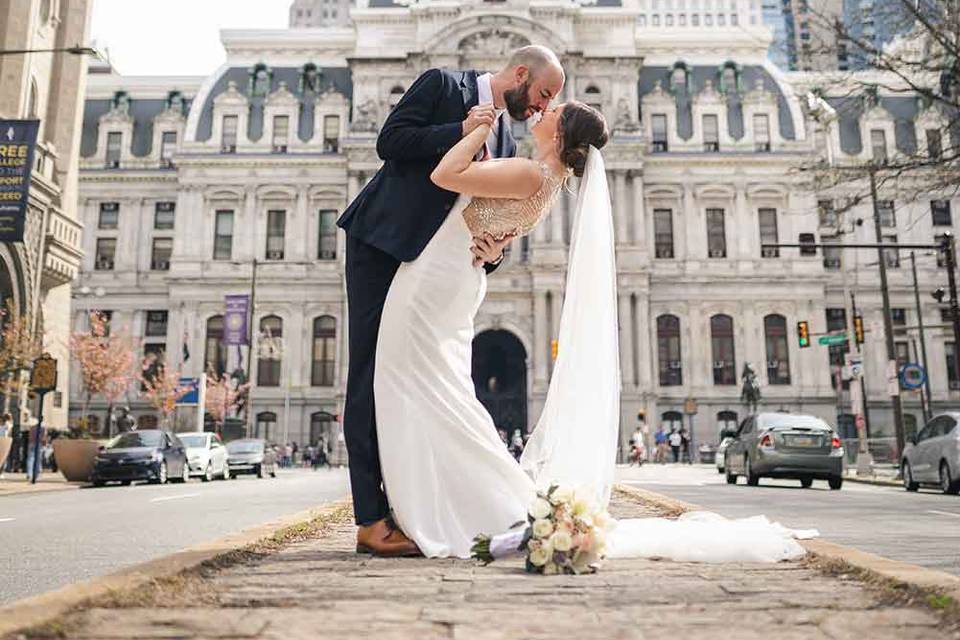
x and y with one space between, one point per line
621 210
624 317
686 225
747 244
246 245
638 218
541 337
643 323
298 238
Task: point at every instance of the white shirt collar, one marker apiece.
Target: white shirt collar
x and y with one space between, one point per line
485 91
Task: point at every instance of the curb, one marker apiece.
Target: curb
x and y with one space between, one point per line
37 610
899 572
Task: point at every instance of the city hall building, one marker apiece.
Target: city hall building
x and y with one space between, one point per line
193 188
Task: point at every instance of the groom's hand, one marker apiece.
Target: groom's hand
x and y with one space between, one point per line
486 248
478 116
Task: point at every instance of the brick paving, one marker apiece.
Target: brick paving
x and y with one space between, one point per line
321 589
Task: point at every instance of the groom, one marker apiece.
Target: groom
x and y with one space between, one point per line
394 217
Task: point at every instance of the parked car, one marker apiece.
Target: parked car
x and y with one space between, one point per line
722 453
783 445
251 455
153 455
933 456
206 455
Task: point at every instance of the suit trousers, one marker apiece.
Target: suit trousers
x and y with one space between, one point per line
369 272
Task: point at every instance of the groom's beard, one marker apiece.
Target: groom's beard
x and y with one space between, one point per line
517 101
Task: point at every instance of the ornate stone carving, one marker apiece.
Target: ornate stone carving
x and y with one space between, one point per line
492 42
366 116
625 121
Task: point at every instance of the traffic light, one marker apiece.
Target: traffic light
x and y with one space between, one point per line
858 328
554 349
803 334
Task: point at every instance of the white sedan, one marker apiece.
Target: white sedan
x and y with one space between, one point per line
206 455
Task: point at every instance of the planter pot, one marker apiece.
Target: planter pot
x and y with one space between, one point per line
75 458
5 445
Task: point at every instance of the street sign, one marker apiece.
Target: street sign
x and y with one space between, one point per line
832 340
912 376
855 362
193 395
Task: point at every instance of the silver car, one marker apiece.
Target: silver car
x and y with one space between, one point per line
933 456
783 445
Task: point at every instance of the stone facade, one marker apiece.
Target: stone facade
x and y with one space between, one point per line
266 151
49 87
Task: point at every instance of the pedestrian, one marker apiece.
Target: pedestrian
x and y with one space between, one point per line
516 446
676 441
503 436
685 445
294 458
637 452
660 445
308 454
33 465
6 431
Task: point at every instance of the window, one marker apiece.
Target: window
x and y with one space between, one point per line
228 143
659 123
324 351
878 144
671 420
668 351
276 227
898 317
934 144
163 216
837 322
594 98
902 352
831 255
168 144
891 256
331 134
810 240
724 359
215 351
106 253
716 234
940 212
322 425
663 233
711 133
281 133
156 323
778 354
223 235
114 144
828 216
768 232
160 254
761 132
266 425
952 379
888 215
941 258
726 420
327 245
109 215
270 353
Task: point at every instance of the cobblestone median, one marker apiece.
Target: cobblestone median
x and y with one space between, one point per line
321 589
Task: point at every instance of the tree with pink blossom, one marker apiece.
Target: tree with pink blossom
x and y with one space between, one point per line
105 359
222 396
161 386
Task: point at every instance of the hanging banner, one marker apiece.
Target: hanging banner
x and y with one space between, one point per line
18 139
235 319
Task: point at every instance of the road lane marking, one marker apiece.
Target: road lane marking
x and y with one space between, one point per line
7 519
944 513
184 495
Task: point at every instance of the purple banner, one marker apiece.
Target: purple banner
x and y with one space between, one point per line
235 319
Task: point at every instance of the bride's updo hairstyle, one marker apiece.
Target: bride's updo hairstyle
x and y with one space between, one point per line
581 126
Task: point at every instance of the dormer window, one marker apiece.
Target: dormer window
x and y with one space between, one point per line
228 143
331 134
260 78
114 146
761 132
878 145
281 133
659 124
711 133
395 94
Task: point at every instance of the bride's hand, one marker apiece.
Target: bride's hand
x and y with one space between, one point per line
479 116
486 248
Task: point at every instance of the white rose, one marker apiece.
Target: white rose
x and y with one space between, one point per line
542 528
540 509
551 569
562 494
538 557
561 541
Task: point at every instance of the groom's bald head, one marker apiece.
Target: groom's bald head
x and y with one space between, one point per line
531 79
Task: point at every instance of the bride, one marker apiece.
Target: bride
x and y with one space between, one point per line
447 474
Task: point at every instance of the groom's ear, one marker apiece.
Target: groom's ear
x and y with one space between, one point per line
521 73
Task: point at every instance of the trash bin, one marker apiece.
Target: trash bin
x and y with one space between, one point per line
708 453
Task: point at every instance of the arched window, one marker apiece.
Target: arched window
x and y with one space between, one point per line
322 426
593 97
778 354
726 420
671 420
265 425
724 356
668 351
270 351
324 351
395 94
215 351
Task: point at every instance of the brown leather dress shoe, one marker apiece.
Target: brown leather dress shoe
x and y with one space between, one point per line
383 541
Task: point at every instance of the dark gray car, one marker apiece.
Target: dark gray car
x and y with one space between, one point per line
783 445
252 456
933 455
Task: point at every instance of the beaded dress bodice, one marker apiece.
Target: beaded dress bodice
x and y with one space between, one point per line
504 216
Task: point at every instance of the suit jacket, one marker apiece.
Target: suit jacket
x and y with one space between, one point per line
400 208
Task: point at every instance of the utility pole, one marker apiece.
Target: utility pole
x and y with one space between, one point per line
923 339
887 321
949 248
864 457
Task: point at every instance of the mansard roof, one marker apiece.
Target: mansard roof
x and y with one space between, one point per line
902 110
143 112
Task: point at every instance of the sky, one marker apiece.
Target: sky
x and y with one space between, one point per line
176 37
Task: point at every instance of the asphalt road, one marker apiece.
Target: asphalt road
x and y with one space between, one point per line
920 528
49 540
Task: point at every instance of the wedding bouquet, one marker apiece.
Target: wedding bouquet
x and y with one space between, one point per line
565 532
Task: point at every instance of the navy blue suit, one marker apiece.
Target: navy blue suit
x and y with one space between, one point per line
391 221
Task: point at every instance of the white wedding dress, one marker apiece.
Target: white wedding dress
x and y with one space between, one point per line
448 476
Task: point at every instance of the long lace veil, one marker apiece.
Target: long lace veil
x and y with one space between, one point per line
575 440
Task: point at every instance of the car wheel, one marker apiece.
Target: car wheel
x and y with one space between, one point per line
806 483
947 484
752 478
184 473
98 483
127 483
835 483
208 473
162 473
908 482
226 473
731 477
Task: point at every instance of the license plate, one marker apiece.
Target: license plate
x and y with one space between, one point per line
805 441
